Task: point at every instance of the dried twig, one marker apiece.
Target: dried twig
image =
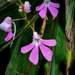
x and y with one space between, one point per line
43 27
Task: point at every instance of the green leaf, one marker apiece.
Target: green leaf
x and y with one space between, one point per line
70 15
60 49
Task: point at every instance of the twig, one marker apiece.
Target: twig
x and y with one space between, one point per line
19 19
32 27
15 72
43 27
28 69
49 67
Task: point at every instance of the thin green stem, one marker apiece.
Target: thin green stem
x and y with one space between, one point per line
53 66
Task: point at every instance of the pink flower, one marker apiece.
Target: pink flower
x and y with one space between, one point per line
35 45
52 7
27 7
6 26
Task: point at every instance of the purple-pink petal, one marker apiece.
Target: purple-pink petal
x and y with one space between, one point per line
47 53
34 56
8 20
50 42
5 27
56 5
9 36
53 11
27 9
40 7
27 48
43 12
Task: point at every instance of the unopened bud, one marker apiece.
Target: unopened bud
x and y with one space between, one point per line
27 7
20 8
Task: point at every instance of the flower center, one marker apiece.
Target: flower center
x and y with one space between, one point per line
37 42
47 3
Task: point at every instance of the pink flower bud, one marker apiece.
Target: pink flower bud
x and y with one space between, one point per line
27 7
35 35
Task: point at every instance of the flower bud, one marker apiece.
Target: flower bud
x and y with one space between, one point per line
27 7
20 8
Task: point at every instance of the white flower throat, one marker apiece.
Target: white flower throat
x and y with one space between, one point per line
36 39
47 3
37 42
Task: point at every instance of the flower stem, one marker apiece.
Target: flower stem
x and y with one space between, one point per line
32 27
16 72
43 27
49 67
52 27
28 69
19 19
53 66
